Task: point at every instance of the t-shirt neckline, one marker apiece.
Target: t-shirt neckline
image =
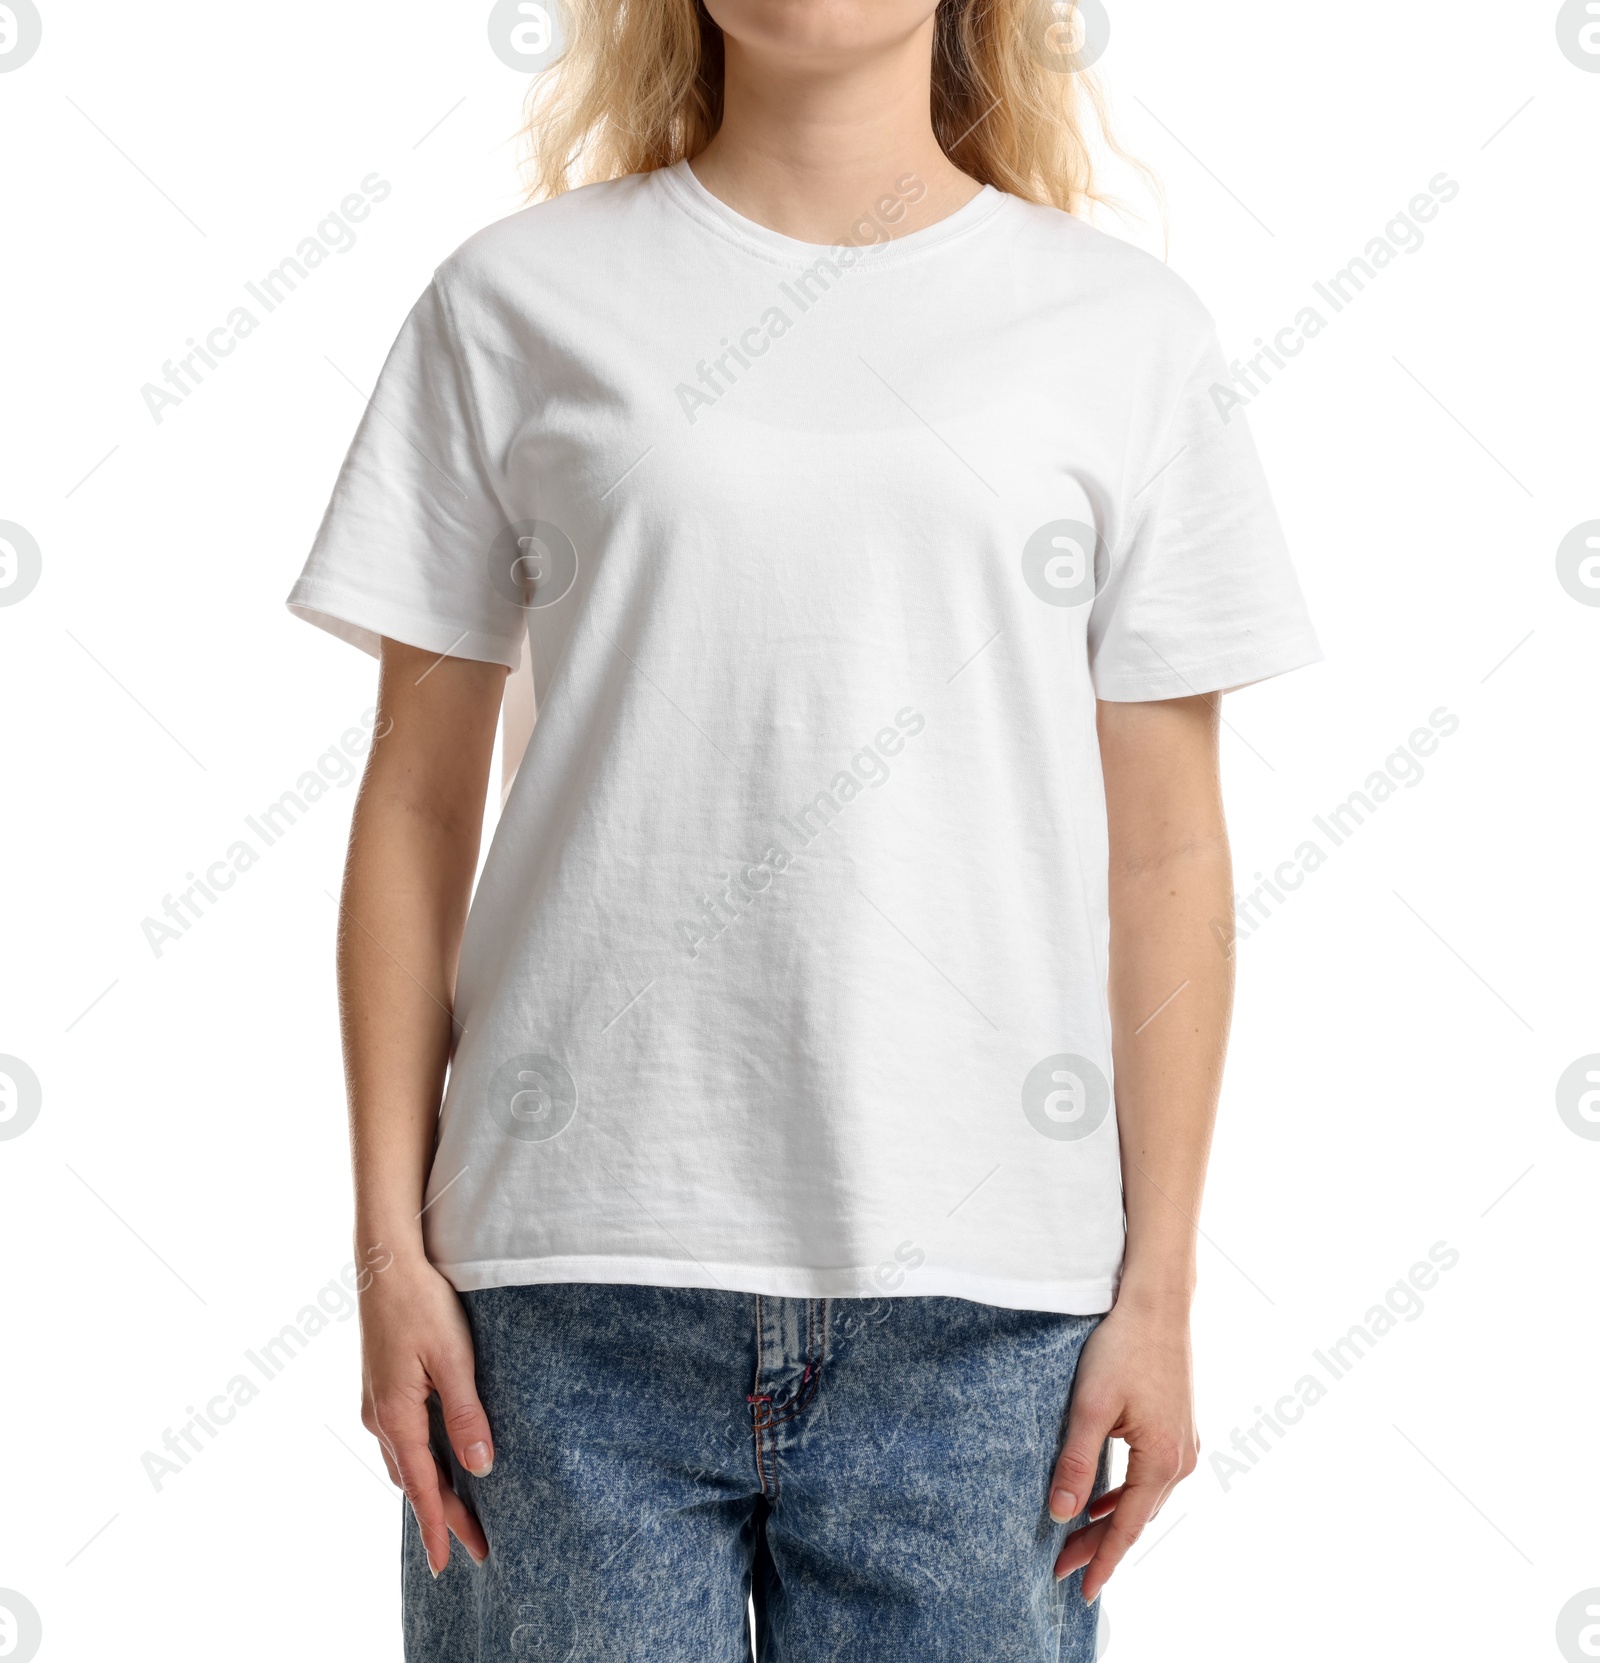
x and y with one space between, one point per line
687 190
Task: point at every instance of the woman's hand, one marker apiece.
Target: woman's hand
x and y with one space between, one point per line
414 1342
1134 1382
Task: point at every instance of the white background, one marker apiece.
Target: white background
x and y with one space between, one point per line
183 1194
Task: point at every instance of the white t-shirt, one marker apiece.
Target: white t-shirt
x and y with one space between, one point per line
787 969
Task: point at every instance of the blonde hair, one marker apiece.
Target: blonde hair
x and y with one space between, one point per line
640 87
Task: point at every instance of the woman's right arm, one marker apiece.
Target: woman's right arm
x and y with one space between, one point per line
408 880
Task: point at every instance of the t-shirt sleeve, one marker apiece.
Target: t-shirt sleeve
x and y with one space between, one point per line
1200 595
404 547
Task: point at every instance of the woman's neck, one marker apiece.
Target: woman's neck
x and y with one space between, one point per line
812 142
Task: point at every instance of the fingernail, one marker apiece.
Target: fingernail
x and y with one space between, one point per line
479 1558
478 1461
1063 1505
433 1568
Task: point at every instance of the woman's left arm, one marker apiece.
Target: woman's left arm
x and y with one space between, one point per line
1171 990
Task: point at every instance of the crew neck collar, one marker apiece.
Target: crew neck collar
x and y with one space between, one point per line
687 190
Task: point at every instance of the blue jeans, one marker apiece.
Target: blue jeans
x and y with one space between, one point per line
873 1471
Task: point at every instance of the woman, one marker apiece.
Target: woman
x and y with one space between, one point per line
880 552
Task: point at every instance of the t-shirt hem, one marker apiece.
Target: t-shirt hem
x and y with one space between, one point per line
1090 1298
1223 673
363 621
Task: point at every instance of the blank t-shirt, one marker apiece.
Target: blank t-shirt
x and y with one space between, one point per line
787 969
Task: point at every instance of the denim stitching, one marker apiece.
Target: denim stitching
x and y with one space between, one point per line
760 1403
802 1399
763 1419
